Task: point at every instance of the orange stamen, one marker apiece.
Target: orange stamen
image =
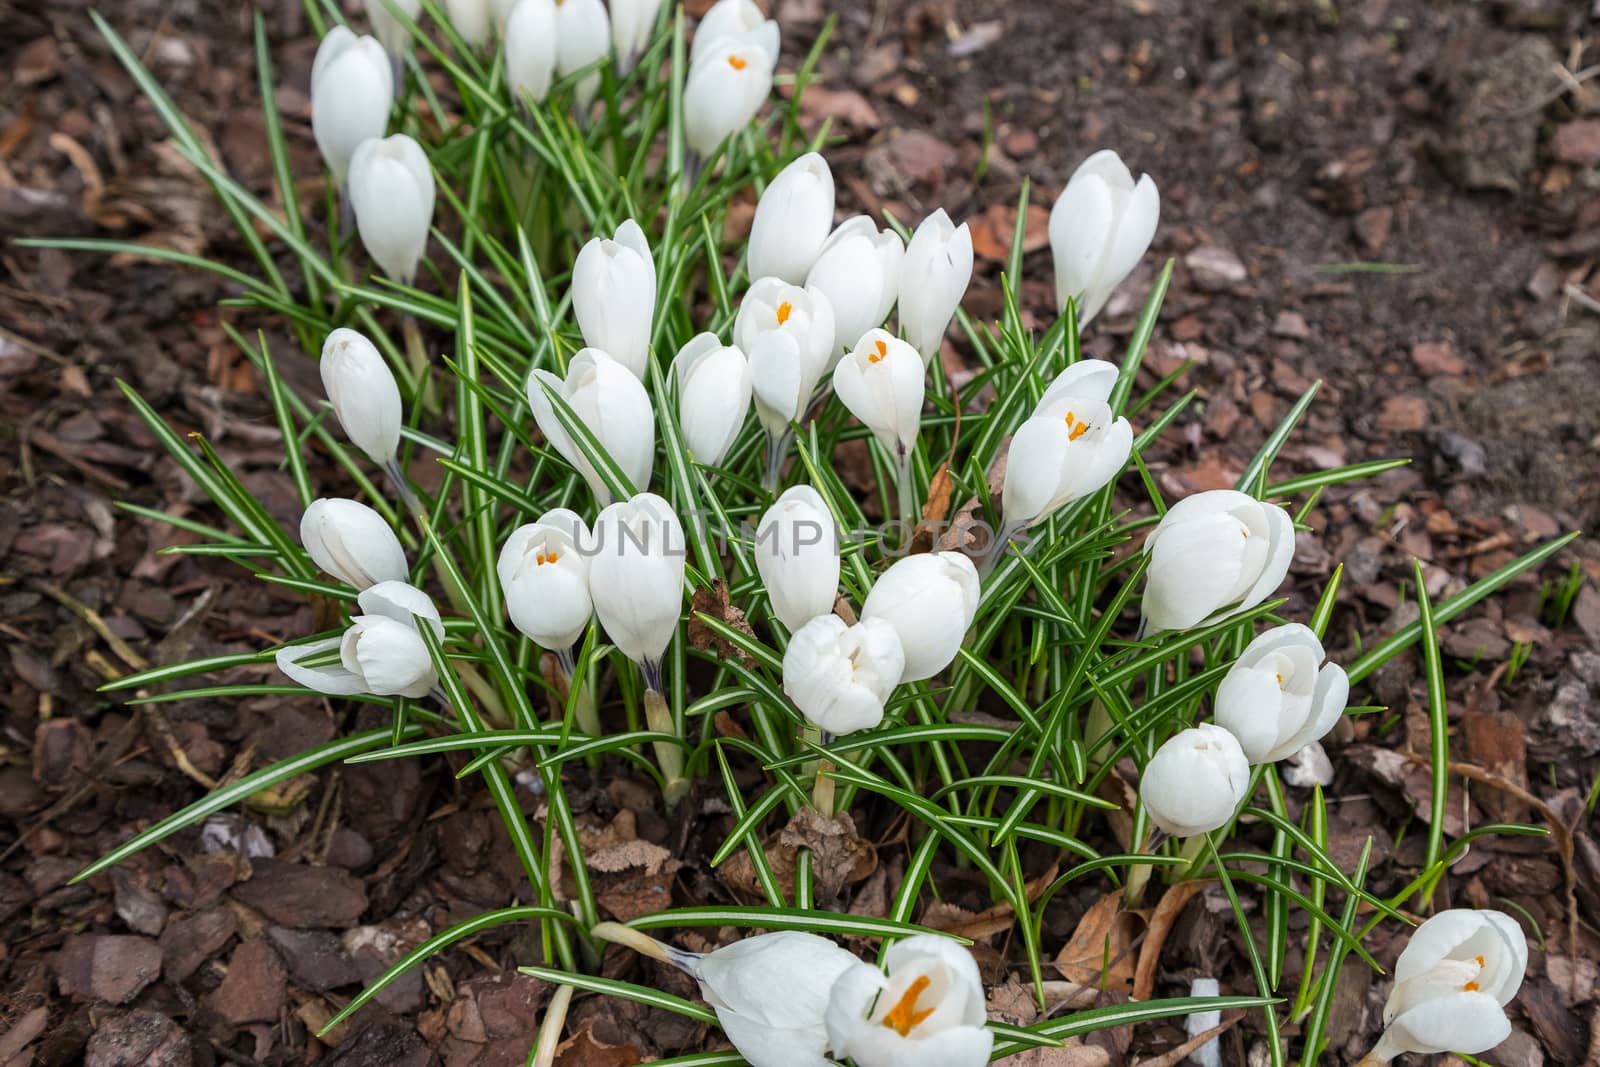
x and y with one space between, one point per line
551 557
1479 959
883 351
784 310
904 1015
1075 428
1470 987
736 63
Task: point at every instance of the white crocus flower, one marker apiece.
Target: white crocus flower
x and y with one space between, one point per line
804 314
392 192
352 542
781 383
926 1011
402 602
545 577
1101 225
1451 985
713 396
612 403
769 991
725 88
382 652
583 37
472 19
933 279
614 296
636 576
1195 782
1276 700
1213 555
1070 447
858 270
840 675
930 600
734 18
530 45
792 221
881 383
388 28
364 394
797 556
351 93
632 22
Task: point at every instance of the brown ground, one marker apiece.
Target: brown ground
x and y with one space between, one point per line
1448 143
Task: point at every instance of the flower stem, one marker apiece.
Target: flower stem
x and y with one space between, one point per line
669 755
905 489
777 450
997 547
822 789
555 1017
584 713
417 359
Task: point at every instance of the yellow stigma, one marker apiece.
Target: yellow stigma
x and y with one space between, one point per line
904 1015
1075 428
545 557
784 310
736 63
882 353
1279 677
1479 959
1470 987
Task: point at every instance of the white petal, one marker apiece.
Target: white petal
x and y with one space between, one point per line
333 680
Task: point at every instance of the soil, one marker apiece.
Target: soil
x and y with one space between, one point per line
1398 198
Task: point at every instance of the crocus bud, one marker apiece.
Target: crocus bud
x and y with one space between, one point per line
713 396
382 652
858 271
545 577
1213 555
583 37
391 189
614 296
804 314
839 675
612 403
1101 225
1451 985
632 22
930 600
734 18
725 88
530 43
797 556
1274 698
351 92
1069 448
472 19
636 576
363 392
933 279
881 383
350 541
793 218
1195 782
928 1009
388 28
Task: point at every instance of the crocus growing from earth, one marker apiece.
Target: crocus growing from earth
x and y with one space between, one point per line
726 87
352 542
839 675
351 91
636 580
881 383
770 991
713 396
1279 696
797 556
583 37
930 600
632 22
858 270
925 1009
1100 227
933 279
614 296
792 220
392 192
530 46
612 404
364 395
1195 782
1213 555
1451 985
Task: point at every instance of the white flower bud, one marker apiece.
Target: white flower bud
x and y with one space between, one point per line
612 403
1071 446
1213 555
388 28
1274 698
390 657
724 90
363 392
1100 227
1195 782
858 270
734 18
636 575
838 675
770 992
530 45
472 19
930 600
351 92
614 296
933 279
402 602
632 22
792 221
928 1009
392 192
583 37
881 383
713 396
797 555
350 541
545 577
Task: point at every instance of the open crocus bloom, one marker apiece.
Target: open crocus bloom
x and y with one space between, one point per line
612 403
840 675
1099 228
927 1011
1452 983
1070 447
805 315
1213 555
545 578
726 87
1276 700
1195 781
881 383
734 18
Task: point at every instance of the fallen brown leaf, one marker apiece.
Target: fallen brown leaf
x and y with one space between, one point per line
1162 918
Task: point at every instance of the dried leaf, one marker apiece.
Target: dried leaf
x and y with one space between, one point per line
714 602
1100 952
1161 920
